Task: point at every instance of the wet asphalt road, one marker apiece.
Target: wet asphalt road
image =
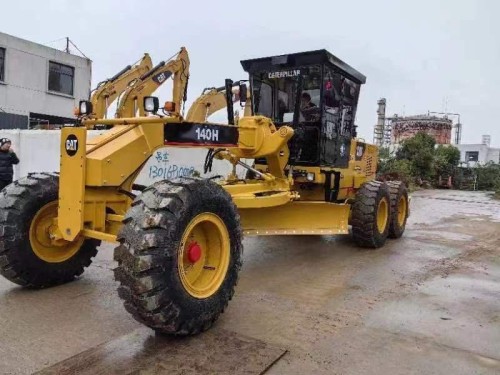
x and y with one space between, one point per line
428 303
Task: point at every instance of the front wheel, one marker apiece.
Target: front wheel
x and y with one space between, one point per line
28 254
179 255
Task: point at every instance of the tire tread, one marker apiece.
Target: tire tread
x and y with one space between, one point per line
148 242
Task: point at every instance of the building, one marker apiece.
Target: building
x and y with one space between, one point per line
474 154
39 85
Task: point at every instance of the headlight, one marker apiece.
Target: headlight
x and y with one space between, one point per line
151 104
85 108
310 177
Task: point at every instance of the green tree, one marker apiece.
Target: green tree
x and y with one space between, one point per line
446 159
419 151
384 153
384 157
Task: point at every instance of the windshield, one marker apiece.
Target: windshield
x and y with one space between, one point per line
275 94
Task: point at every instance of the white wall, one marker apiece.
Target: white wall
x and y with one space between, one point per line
25 87
493 155
486 154
39 151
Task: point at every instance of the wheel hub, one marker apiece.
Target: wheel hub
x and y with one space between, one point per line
194 252
204 255
44 240
382 215
402 211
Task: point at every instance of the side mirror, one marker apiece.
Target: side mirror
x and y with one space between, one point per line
151 104
84 108
243 93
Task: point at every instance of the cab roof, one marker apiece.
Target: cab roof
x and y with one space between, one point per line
295 60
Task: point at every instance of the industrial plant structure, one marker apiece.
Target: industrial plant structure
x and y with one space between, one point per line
391 131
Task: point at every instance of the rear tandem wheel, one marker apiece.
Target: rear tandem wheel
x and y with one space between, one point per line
371 214
399 208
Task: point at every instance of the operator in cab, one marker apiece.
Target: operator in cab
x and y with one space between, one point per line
308 110
305 101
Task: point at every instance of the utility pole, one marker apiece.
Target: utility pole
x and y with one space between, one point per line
67 44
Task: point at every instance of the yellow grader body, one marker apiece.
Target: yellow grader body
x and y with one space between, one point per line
95 180
179 242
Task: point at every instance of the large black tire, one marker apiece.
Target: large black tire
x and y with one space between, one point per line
399 202
148 255
19 203
365 209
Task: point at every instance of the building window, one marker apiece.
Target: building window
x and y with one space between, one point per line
2 64
61 78
472 156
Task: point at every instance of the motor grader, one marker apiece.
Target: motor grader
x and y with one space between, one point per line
179 246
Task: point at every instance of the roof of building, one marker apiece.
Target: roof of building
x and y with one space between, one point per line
8 37
477 145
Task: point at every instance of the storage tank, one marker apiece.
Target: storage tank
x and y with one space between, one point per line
437 127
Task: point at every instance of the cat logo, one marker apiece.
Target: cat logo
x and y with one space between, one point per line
71 145
161 77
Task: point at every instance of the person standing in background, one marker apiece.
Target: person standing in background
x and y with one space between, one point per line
7 159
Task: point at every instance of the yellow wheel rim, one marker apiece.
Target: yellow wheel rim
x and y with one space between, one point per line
204 255
382 215
402 209
45 248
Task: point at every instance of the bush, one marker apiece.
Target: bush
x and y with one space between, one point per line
394 169
488 177
419 161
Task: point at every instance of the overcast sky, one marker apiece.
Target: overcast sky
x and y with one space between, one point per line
420 55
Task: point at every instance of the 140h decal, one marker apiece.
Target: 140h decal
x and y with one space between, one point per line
207 134
202 134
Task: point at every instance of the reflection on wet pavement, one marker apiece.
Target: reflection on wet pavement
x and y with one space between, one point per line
427 303
216 352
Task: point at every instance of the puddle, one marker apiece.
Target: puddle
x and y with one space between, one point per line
459 311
